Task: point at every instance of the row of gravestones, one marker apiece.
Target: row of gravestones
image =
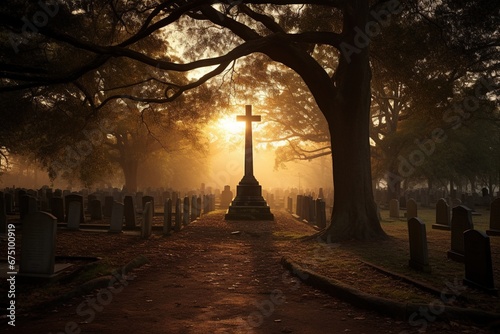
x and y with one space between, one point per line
469 246
310 209
40 228
428 198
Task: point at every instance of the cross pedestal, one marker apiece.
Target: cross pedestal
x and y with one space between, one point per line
249 203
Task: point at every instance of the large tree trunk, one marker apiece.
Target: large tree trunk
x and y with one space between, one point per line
354 211
130 173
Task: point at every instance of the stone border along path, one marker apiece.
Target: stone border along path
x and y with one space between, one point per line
210 279
389 307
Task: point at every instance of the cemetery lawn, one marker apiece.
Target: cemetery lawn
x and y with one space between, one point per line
351 263
241 259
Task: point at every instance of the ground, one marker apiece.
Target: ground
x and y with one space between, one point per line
212 277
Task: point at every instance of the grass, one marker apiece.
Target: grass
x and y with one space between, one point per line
343 261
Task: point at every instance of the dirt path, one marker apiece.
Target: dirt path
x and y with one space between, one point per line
214 277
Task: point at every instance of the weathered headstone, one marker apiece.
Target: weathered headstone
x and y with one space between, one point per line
442 215
394 208
129 209
461 221
320 213
116 218
185 211
38 244
95 209
27 204
108 206
3 214
167 216
74 198
147 220
146 199
494 229
411 209
9 203
419 258
193 207
178 215
478 264
198 207
57 208
74 213
226 197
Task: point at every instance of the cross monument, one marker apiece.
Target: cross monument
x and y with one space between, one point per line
249 203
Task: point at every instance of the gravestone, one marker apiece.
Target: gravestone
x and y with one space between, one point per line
3 214
74 198
95 209
402 202
394 208
129 210
494 229
146 199
455 202
108 206
9 203
478 264
320 213
298 208
167 216
74 213
193 207
38 244
226 197
419 259
461 221
178 215
57 208
147 220
185 211
198 207
442 215
411 209
116 224
27 204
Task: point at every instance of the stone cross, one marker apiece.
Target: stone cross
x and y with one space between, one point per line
248 118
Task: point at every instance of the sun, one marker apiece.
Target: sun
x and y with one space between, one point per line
230 126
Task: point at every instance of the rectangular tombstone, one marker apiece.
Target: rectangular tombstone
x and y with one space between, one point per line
442 215
146 199
116 224
147 220
74 198
494 229
27 204
129 209
74 213
461 221
57 208
320 213
167 216
478 264
394 208
9 203
3 214
193 207
411 209
95 209
38 244
198 207
419 259
185 211
108 206
178 215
